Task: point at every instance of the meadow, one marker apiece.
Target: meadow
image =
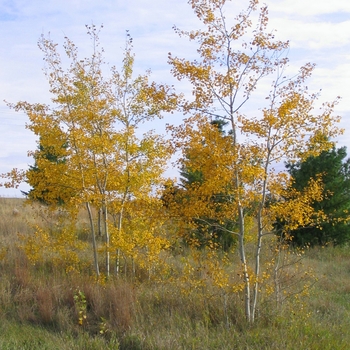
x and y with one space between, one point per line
44 307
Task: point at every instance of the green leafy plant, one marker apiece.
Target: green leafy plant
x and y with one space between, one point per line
80 303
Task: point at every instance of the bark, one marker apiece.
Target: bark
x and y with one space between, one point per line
120 221
105 223
247 291
94 245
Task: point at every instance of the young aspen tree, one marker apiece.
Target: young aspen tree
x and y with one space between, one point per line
106 164
234 55
141 162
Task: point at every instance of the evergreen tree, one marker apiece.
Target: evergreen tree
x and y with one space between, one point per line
46 191
335 172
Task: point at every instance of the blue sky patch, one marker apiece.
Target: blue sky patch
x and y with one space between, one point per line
336 17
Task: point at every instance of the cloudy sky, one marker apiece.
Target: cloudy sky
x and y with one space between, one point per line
319 32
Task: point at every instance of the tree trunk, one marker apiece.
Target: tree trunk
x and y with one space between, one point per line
247 292
120 220
99 226
94 245
257 268
105 223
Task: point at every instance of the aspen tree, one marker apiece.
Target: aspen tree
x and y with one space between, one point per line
108 165
233 56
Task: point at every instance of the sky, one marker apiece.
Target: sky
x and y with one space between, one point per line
318 31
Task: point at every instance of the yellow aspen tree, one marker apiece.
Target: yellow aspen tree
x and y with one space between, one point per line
107 164
233 55
141 160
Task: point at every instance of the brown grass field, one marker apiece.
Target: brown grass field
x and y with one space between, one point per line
44 307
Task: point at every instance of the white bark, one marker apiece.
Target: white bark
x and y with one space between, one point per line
94 245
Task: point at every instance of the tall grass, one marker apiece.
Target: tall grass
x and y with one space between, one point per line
41 305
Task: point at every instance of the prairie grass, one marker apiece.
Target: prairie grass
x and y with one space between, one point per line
39 309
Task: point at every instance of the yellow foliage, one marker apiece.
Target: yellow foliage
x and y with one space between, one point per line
240 166
90 150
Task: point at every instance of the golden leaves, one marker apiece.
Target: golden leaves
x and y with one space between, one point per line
15 178
296 208
90 150
239 167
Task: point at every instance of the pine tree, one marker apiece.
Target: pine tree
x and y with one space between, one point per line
335 172
40 191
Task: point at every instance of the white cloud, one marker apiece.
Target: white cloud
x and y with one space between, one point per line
309 7
312 35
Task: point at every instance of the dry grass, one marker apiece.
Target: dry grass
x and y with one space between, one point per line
144 314
49 300
43 295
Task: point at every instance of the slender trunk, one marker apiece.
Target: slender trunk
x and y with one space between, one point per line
257 267
247 292
260 234
117 263
120 221
99 222
105 218
94 245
